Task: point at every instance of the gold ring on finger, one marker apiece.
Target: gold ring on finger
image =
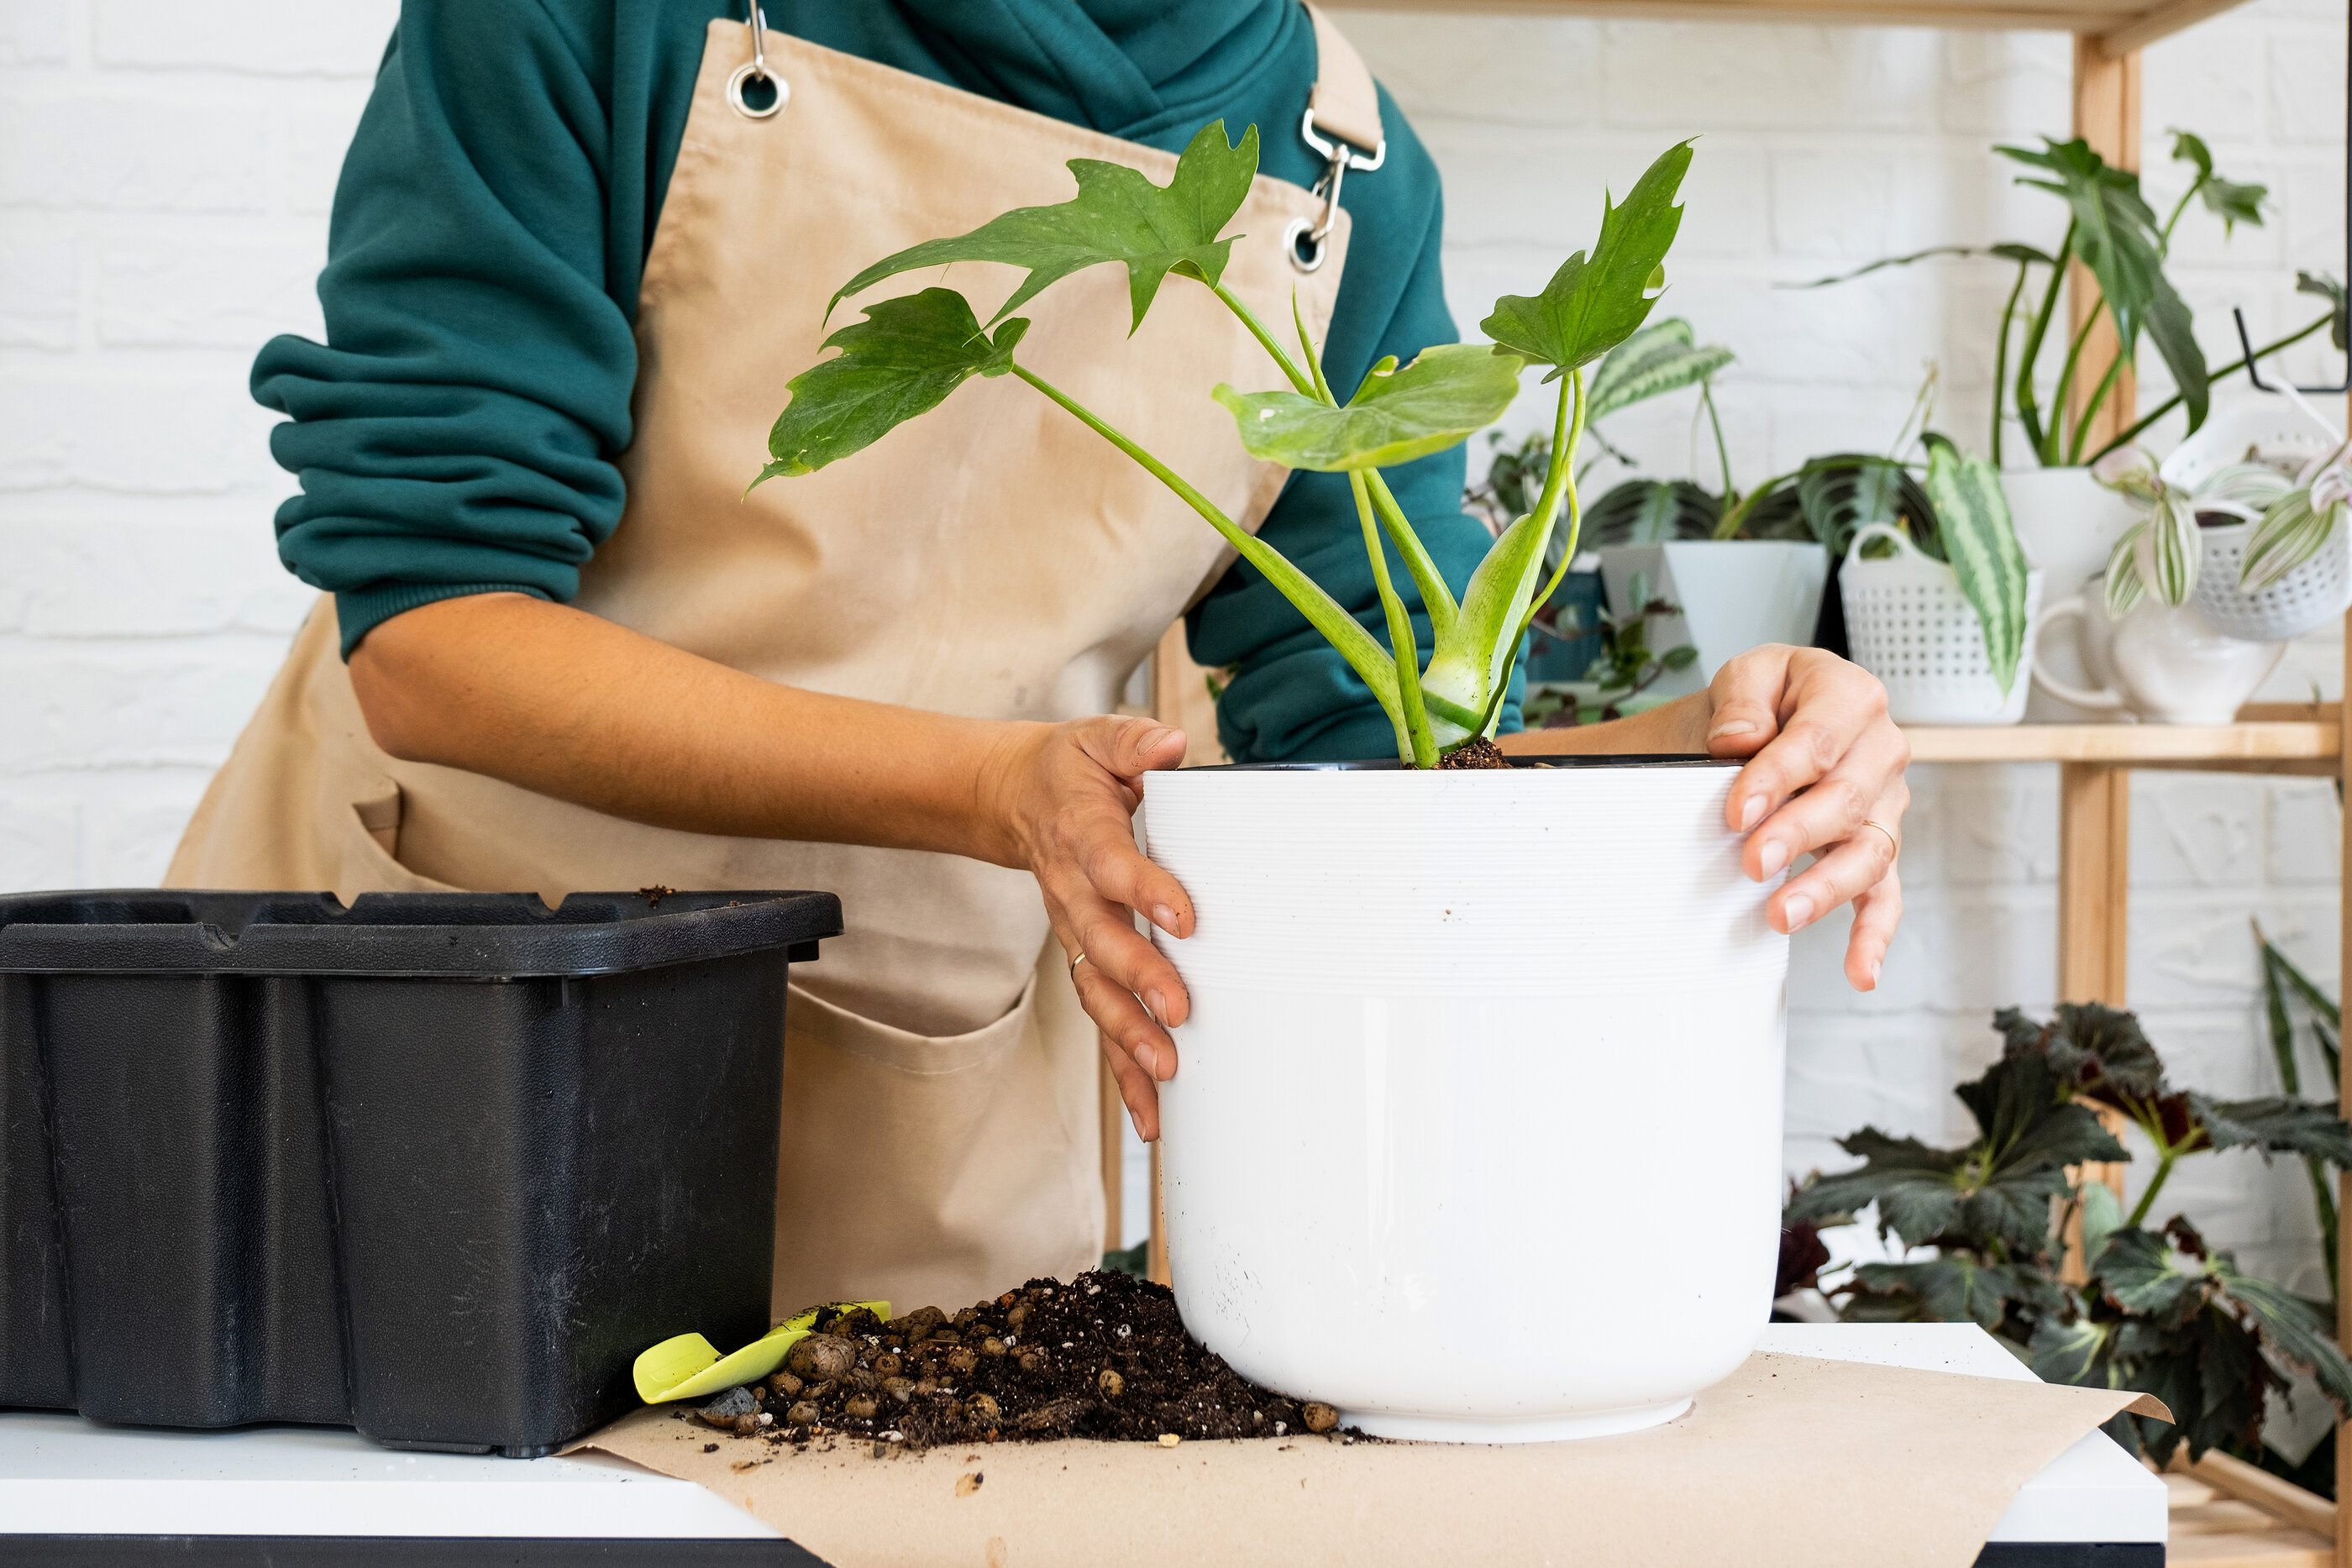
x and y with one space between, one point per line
1073 966
1894 844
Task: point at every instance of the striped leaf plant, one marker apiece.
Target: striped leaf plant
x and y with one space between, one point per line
910 352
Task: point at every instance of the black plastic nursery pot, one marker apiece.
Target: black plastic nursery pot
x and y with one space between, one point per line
437 1167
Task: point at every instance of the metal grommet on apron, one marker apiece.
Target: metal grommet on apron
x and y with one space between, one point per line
756 70
1303 241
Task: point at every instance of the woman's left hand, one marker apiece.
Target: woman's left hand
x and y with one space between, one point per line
1824 776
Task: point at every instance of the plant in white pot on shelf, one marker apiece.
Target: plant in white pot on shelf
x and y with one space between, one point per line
2038 435
1376 1065
1732 589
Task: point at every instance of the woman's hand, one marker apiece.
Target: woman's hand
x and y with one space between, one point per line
1823 762
1067 794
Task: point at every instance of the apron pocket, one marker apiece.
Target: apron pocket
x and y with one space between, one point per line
368 842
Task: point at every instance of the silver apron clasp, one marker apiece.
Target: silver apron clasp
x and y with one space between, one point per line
1304 242
756 70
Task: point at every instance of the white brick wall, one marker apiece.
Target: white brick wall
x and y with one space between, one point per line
165 173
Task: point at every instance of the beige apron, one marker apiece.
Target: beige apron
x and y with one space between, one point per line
941 1137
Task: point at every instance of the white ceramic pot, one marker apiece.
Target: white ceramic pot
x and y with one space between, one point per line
1735 594
2164 662
2067 523
1447 1029
1907 622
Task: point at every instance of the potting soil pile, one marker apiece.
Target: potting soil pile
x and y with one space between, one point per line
1104 1356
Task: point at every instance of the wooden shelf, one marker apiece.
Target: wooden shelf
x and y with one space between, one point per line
2117 26
2310 746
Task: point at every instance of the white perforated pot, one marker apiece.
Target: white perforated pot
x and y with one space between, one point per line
1448 1030
2306 598
1907 622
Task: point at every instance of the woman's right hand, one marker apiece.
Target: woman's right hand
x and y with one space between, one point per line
1066 795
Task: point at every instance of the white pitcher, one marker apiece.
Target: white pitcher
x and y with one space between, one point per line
2163 663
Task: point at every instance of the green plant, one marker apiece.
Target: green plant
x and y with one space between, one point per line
1627 666
2160 1310
2163 554
2281 980
2114 233
912 353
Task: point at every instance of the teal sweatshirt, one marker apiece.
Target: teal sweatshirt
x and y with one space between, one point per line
456 433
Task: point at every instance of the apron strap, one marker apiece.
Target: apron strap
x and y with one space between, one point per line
1344 103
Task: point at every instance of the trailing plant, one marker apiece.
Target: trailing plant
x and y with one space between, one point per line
2117 236
2158 1309
2163 554
912 353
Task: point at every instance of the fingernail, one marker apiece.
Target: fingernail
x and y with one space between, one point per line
1776 855
1731 726
1751 813
1873 976
1147 1059
1164 918
1157 1006
1797 910
1137 1123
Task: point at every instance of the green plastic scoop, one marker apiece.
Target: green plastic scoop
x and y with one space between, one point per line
689 1367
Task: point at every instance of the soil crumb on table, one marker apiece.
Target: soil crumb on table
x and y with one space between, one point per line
1104 1357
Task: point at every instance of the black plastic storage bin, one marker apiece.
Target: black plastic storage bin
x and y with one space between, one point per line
437 1167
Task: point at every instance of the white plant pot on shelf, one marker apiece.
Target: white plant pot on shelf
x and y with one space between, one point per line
1907 622
1391 1150
2067 523
2307 597
1735 594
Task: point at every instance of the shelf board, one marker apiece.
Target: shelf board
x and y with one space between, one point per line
2312 744
2119 26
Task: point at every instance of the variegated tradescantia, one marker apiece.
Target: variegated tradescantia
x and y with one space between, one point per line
910 353
2162 553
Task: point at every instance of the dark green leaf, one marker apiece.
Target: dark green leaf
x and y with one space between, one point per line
1957 1289
1119 215
1446 394
2339 332
1649 511
902 360
1681 658
2276 1124
2234 203
2098 1049
2140 1273
1590 306
2189 148
2290 1328
2080 1352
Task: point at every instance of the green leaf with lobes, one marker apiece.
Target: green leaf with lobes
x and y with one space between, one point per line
1119 215
1593 305
1980 545
1446 394
902 360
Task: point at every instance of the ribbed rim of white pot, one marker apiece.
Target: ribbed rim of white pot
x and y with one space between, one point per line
1531 761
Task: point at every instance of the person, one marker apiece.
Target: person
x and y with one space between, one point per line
577 249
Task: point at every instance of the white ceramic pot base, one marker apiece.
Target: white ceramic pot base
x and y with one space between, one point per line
1558 1429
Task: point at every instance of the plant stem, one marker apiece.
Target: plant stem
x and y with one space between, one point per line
1435 596
1415 744
2091 408
2054 440
1558 473
2156 1184
2000 356
2168 404
2028 408
1560 486
1355 644
1298 383
1722 452
2164 240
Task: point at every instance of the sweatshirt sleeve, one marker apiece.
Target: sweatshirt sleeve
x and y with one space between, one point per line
456 433
1290 696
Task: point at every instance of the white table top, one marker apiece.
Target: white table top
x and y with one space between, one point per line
60 1475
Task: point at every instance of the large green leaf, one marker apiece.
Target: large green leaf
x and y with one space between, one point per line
1645 512
2080 1352
1980 545
902 360
1958 1288
2142 1274
2289 1326
2232 202
1117 215
2119 238
1446 394
1590 306
1661 358
2276 1124
2095 1049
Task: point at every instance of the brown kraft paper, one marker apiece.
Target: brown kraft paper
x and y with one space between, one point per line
1787 1458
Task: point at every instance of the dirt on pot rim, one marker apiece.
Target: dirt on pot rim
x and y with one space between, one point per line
1104 1356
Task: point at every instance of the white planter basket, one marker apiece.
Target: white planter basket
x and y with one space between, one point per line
1907 622
1382 1116
2306 598
1735 594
